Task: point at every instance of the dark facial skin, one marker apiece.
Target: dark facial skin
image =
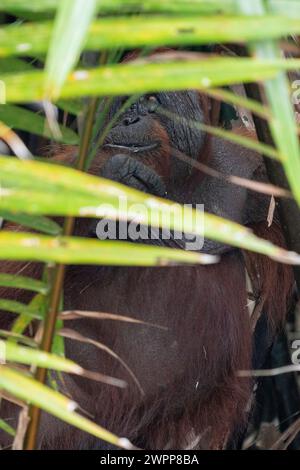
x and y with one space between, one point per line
144 132
132 128
143 144
188 368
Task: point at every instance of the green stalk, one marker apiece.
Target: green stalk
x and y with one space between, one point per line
58 281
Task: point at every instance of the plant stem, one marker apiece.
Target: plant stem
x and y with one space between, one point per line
58 281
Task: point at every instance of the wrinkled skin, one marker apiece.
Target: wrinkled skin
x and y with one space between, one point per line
145 163
187 370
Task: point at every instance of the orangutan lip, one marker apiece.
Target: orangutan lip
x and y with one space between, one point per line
135 148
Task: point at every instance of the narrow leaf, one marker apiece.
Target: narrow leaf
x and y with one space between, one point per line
39 223
13 306
7 428
25 120
73 250
128 6
78 194
29 356
70 28
54 403
131 78
37 304
22 282
204 7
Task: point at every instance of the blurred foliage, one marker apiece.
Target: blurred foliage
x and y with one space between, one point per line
63 52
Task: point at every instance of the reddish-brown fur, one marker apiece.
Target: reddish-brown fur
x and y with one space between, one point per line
188 372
